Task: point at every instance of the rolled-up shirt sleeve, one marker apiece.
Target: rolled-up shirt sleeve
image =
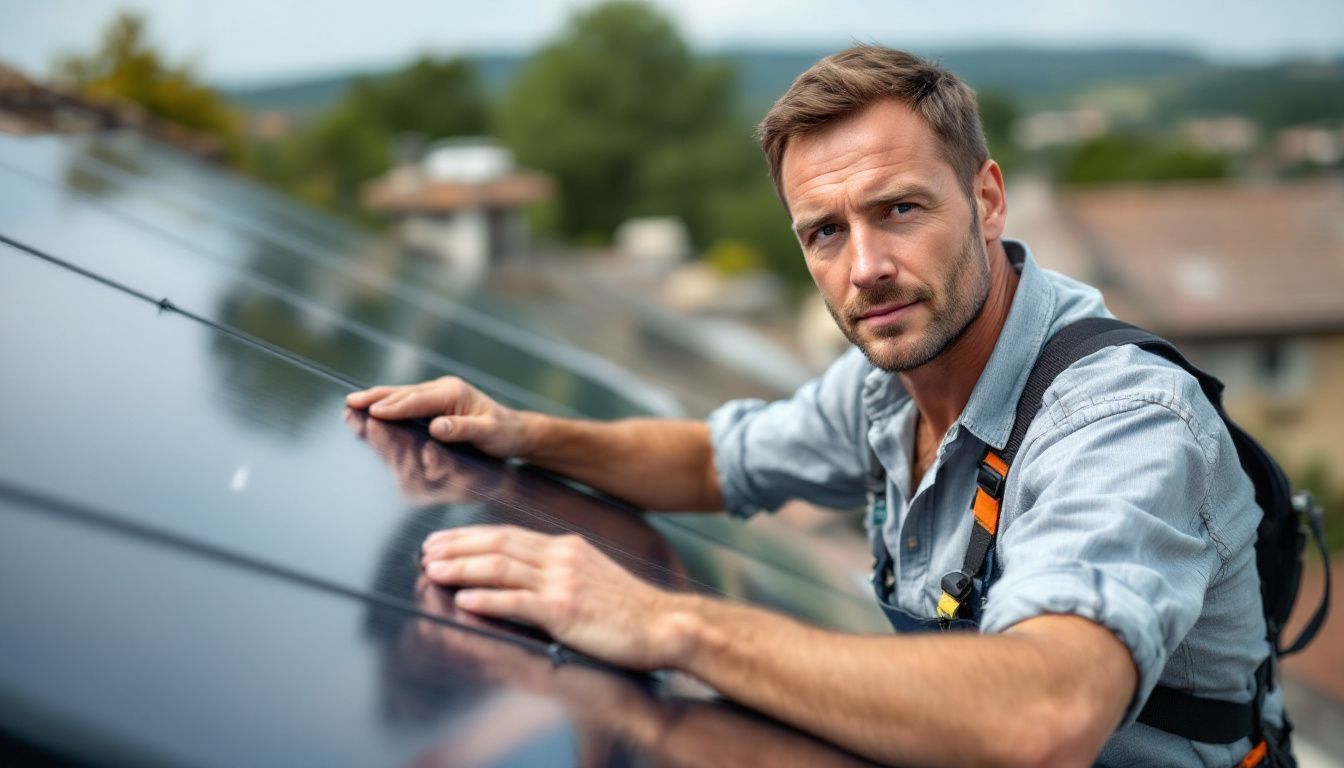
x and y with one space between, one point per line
811 446
1113 524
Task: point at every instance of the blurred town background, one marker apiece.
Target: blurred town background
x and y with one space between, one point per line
604 187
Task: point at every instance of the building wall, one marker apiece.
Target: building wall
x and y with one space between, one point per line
1289 393
460 239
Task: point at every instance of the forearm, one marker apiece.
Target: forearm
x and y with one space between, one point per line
652 463
1017 698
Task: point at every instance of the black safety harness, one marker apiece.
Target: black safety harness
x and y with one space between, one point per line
1281 537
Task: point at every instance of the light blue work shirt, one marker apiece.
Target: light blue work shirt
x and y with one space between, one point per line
1126 504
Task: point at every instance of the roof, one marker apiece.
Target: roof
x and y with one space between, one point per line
1218 259
29 107
405 190
209 560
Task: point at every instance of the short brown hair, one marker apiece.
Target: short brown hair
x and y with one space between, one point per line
844 83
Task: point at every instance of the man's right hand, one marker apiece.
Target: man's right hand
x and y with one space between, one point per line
459 413
652 463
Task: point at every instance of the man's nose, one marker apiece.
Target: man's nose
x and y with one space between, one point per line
871 258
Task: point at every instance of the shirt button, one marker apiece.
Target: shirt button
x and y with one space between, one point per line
912 543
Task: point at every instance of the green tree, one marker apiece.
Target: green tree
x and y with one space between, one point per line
998 113
624 118
753 215
629 123
1134 158
125 68
327 161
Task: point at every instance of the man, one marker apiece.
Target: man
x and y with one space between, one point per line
1125 549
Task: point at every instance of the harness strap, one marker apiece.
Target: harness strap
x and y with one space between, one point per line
1167 709
1065 348
1208 720
985 505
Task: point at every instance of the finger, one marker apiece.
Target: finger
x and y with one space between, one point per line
366 397
483 571
380 436
431 460
514 604
518 543
429 399
356 420
422 585
431 598
474 539
438 601
462 429
386 408
527 549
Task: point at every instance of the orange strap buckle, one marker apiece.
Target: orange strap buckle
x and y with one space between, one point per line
1255 756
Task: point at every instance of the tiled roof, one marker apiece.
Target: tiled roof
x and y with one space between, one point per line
403 192
1217 260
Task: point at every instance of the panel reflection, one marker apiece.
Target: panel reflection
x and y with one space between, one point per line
501 701
455 486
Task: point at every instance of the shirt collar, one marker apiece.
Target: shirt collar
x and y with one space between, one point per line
992 407
990 412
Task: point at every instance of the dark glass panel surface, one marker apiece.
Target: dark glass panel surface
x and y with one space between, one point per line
285 286
109 401
87 220
119 650
256 599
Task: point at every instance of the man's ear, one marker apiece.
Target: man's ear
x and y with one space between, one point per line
991 200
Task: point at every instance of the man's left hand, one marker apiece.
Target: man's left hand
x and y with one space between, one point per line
561 584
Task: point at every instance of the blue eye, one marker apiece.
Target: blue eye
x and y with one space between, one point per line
903 208
828 230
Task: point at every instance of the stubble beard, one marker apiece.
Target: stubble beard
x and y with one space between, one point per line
949 322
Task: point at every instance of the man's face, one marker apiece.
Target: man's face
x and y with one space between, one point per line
889 236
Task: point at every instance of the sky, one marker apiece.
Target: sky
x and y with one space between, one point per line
239 42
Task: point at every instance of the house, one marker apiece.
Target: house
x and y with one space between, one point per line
28 107
461 203
1248 278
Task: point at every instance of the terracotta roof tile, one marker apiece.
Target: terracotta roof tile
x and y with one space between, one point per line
1203 260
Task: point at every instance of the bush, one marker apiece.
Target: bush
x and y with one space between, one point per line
1132 158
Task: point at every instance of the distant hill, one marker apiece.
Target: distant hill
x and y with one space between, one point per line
1028 70
312 94
1033 76
1276 95
764 74
1182 83
304 95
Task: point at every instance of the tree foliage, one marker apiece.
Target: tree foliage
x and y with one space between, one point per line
1133 158
630 123
125 68
998 113
616 109
327 161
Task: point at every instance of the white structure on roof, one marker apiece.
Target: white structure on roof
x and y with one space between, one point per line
467 161
461 202
657 243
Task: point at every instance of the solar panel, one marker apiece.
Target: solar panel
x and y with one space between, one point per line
173 242
190 514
